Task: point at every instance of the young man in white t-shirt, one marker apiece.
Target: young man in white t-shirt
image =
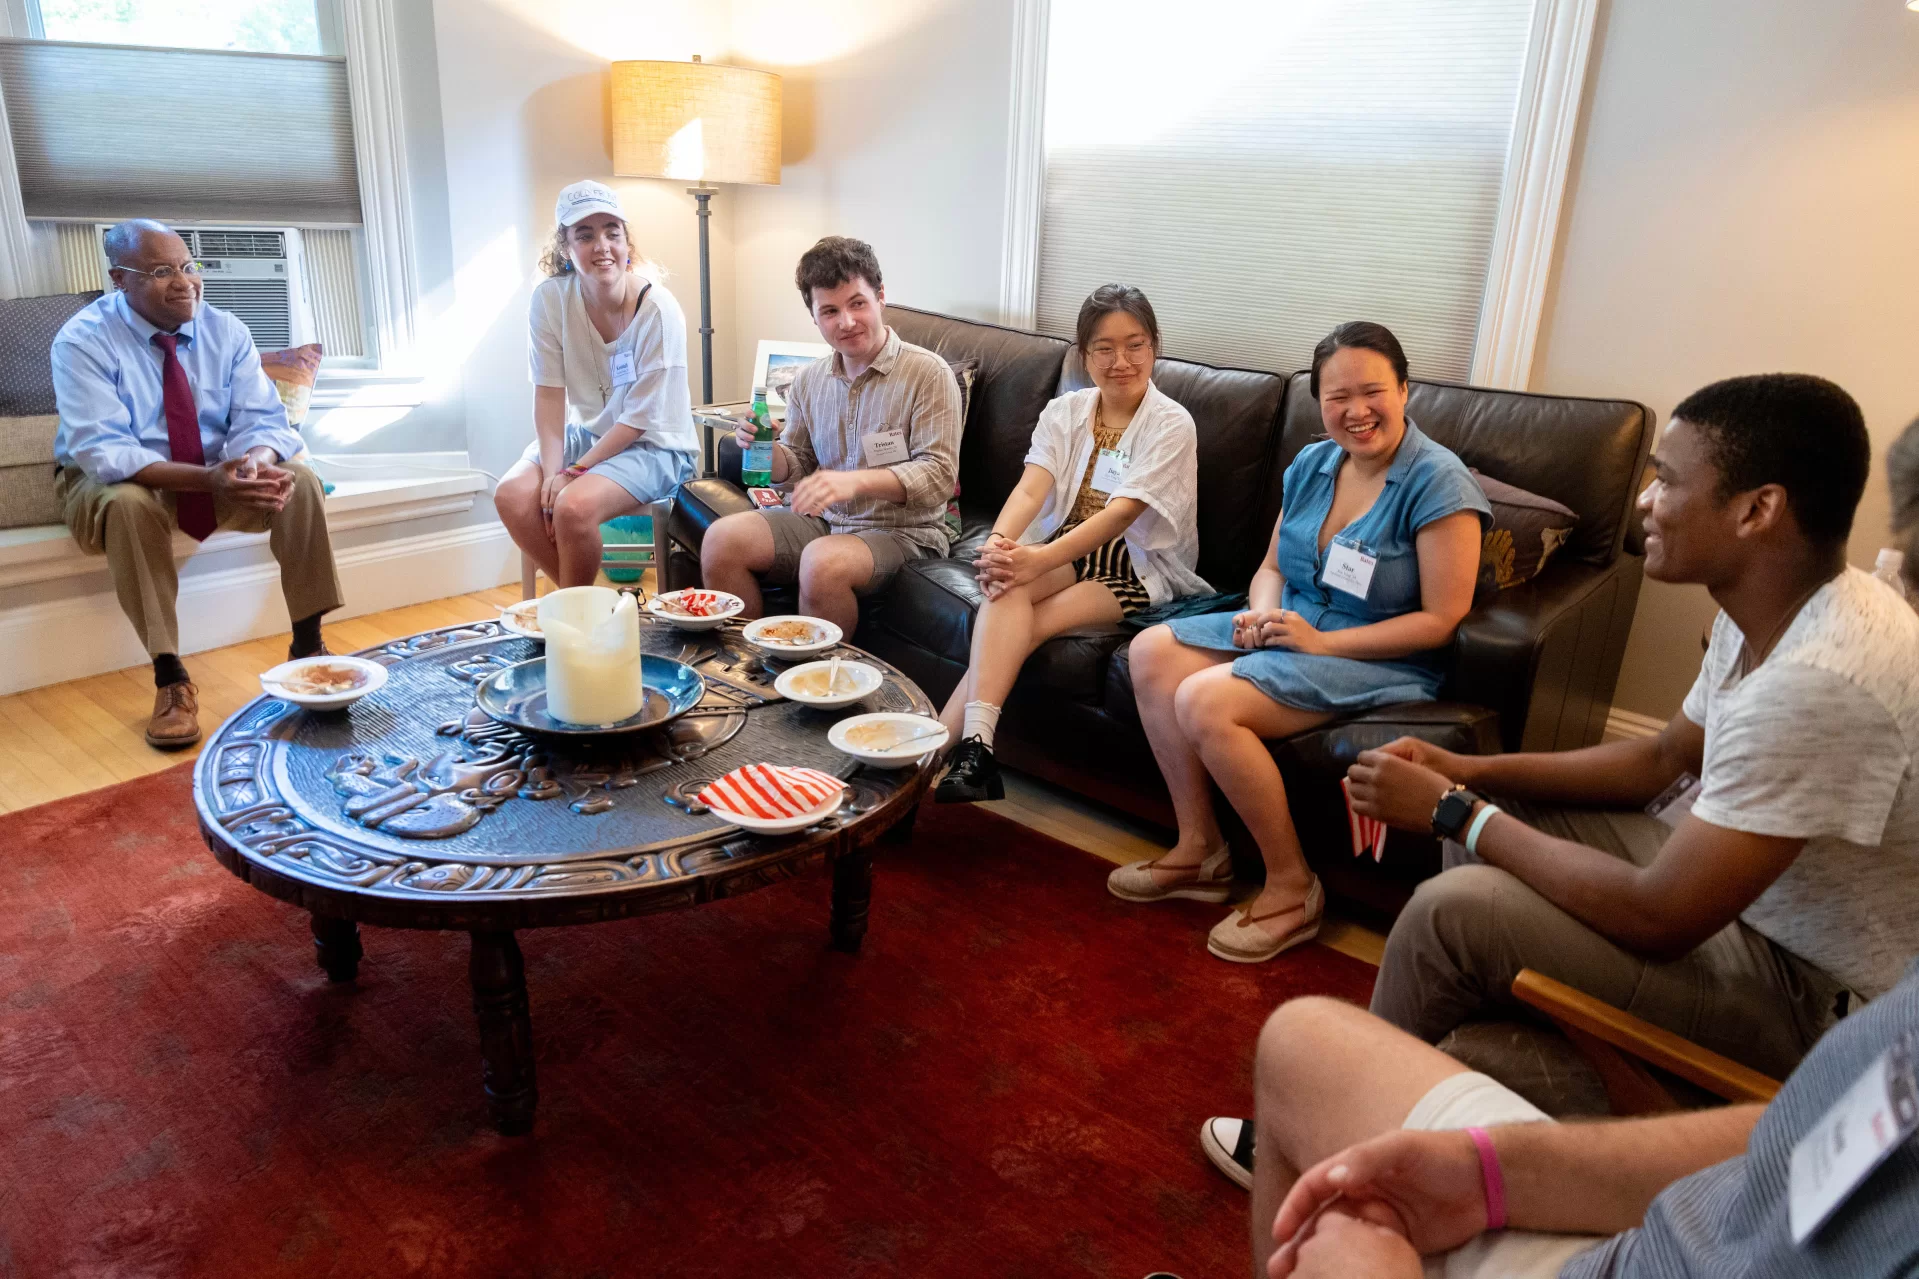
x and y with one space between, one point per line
1751 923
1788 892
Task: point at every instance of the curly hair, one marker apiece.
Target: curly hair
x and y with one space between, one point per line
557 259
834 261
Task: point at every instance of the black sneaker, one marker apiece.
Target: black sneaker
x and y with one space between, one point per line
1229 1144
973 775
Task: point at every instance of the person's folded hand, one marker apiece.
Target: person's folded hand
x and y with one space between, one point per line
1425 1187
234 482
1344 1246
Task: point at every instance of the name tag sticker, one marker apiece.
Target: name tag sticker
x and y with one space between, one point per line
885 447
623 368
1349 569
1849 1141
1109 470
1675 801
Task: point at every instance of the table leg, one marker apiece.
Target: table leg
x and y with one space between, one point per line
506 1030
852 894
337 943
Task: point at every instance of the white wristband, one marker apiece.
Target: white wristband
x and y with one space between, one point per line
1479 824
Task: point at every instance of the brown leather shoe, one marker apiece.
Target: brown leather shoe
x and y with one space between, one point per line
176 717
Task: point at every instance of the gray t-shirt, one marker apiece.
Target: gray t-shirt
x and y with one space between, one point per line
1731 1219
1820 743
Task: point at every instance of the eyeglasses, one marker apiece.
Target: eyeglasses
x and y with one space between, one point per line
1104 356
164 274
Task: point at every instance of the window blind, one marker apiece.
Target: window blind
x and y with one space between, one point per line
109 132
1266 169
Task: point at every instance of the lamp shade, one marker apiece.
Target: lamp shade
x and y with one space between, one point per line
696 120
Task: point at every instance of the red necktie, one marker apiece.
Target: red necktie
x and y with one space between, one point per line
193 510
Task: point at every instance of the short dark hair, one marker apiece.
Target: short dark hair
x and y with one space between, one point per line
1115 299
832 262
1365 335
1800 432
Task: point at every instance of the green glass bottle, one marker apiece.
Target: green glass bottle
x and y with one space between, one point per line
756 467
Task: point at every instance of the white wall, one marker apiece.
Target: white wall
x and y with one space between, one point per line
896 128
1744 202
524 98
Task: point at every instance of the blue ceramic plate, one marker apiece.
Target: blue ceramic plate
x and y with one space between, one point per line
516 696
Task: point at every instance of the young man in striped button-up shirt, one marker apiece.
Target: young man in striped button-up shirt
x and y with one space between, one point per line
872 438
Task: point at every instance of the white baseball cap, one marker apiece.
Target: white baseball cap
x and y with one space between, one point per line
583 199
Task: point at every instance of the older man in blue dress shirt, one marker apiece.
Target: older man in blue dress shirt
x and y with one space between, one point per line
166 419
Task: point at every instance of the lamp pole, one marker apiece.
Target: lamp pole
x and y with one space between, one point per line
704 194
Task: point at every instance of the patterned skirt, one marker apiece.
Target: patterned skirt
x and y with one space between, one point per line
1111 566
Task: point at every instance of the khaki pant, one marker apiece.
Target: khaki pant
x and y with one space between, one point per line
132 525
1454 951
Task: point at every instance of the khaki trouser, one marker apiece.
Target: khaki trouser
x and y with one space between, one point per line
132 525
1454 951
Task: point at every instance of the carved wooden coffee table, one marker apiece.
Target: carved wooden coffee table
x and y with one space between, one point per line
411 809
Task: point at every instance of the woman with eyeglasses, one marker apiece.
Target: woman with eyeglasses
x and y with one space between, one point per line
612 413
1369 572
1101 525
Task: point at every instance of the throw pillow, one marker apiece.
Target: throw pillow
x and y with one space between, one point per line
27 330
293 371
26 471
965 372
1527 529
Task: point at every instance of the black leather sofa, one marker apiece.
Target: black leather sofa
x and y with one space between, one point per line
1533 668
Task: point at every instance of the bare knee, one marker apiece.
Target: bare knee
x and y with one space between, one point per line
1299 1039
732 543
826 568
574 516
518 496
1148 654
1205 705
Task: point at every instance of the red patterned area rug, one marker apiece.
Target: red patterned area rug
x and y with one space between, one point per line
1006 1083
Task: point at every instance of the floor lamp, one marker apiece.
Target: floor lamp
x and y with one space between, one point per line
701 121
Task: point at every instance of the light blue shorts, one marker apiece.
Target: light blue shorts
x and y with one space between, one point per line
650 474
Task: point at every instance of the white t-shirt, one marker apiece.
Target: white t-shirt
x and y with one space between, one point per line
1819 743
567 351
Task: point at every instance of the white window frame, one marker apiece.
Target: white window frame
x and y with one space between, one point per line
1532 191
379 142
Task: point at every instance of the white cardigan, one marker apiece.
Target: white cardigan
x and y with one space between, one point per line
1162 472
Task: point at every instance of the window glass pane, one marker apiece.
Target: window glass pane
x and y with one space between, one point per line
1275 167
257 26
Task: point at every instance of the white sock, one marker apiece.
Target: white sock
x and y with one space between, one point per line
982 721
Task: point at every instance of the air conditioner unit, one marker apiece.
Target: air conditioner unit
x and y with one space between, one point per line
255 273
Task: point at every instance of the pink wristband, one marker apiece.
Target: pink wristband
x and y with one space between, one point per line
1495 1179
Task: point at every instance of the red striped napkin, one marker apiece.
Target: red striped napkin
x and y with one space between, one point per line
1368 832
771 791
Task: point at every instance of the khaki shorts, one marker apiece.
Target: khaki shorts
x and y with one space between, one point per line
891 548
1473 1100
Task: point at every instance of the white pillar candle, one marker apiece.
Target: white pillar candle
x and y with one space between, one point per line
592 655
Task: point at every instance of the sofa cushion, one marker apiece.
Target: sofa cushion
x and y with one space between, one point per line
27 329
1584 453
1527 529
1018 374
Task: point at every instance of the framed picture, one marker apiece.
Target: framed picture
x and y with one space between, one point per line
778 363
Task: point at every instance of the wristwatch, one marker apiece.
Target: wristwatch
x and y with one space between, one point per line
1454 810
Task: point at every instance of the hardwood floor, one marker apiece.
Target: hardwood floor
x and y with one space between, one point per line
66 739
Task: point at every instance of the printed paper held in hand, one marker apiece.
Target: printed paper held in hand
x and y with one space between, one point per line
1368 832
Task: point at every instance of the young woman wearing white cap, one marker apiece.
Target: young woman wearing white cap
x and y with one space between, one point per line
612 414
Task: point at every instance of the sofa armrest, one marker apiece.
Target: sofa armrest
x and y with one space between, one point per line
1546 654
1578 1013
1329 750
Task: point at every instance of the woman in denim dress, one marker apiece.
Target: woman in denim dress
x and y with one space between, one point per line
1371 568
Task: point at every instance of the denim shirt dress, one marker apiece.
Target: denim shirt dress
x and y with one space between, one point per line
1426 482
